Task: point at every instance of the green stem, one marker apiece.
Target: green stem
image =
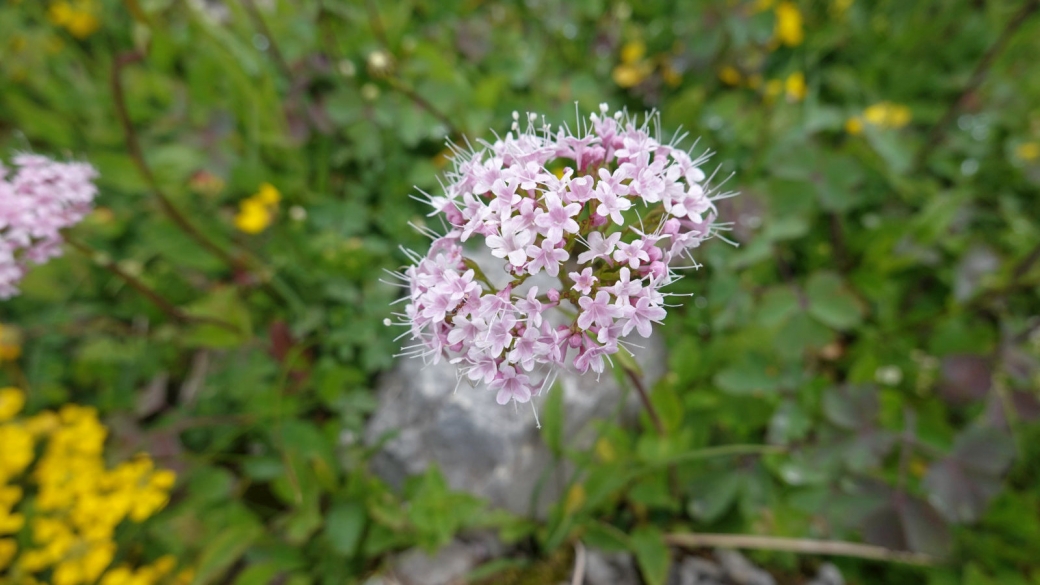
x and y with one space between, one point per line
168 308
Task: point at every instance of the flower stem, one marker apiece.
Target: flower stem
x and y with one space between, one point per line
168 308
137 155
637 381
937 133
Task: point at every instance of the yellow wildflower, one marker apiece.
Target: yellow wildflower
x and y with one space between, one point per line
788 29
12 400
729 75
77 501
10 343
854 126
1028 151
632 52
17 451
631 75
8 548
795 87
268 194
79 17
887 115
633 69
256 213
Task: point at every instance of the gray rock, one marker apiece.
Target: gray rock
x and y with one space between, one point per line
740 571
828 575
610 569
491 451
695 571
447 567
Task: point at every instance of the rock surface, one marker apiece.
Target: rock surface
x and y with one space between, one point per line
610 569
491 451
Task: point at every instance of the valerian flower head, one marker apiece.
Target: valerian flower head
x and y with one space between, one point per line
38 200
604 214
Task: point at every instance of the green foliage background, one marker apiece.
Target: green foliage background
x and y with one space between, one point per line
878 322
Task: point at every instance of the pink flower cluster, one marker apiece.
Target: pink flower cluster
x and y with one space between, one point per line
603 212
39 200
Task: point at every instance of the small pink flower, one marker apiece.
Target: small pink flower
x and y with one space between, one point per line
37 202
511 386
583 282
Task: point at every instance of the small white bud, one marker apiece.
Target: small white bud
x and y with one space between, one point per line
516 115
603 108
297 213
387 322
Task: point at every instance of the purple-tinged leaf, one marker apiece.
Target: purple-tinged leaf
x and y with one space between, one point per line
907 523
851 407
964 378
962 485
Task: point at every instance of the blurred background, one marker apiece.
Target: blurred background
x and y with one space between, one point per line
877 329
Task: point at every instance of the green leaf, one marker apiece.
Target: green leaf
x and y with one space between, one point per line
226 548
831 302
553 420
713 494
344 525
651 554
751 375
224 305
776 306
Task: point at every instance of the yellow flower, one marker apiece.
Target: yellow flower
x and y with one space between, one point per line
253 217
854 126
8 548
887 115
788 29
632 51
633 69
729 75
1028 151
256 213
77 502
41 424
268 194
626 75
17 451
12 400
78 17
794 85
10 343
